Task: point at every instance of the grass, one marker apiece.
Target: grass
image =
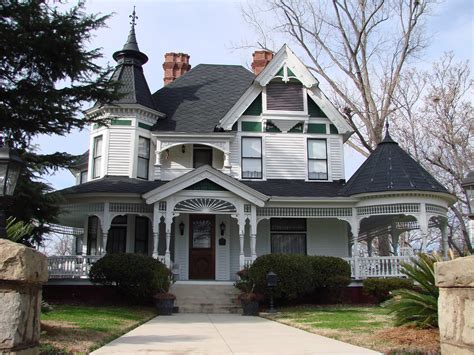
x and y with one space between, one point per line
369 327
80 329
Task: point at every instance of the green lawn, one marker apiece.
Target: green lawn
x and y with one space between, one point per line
80 329
369 327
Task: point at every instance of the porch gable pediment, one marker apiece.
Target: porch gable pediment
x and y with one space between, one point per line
201 174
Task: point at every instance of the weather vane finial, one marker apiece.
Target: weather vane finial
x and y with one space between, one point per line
386 126
134 17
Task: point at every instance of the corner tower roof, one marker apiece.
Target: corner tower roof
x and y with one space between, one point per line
390 168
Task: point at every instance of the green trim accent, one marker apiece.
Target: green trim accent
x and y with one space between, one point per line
117 122
280 72
333 129
297 128
95 126
317 128
206 185
235 127
255 108
145 126
252 126
270 127
314 110
289 72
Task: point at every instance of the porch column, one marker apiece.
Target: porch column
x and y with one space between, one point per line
156 236
355 226
241 222
369 246
444 239
253 233
423 223
395 236
156 228
105 224
168 222
104 243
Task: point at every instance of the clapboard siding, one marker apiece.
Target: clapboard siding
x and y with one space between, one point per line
235 156
222 251
119 152
263 237
327 237
336 156
182 253
234 245
285 156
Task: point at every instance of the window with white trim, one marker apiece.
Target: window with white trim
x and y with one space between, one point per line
143 158
252 158
288 235
317 159
83 177
97 157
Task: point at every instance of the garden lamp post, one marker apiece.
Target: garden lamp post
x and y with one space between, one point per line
272 281
468 186
10 167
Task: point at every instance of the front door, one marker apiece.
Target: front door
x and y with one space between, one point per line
202 247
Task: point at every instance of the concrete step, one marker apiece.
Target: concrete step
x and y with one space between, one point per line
210 309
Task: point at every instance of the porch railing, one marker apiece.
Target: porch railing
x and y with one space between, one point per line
78 266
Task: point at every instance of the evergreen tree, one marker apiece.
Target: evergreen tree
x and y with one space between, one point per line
47 74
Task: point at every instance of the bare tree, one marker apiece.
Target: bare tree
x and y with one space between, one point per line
359 48
435 124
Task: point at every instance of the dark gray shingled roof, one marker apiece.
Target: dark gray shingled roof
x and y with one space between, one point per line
129 73
390 168
196 101
277 187
113 184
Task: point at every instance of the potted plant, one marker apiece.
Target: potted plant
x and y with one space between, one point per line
163 299
248 298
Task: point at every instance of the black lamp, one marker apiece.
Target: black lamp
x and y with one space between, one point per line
272 281
468 186
10 168
183 149
222 226
181 228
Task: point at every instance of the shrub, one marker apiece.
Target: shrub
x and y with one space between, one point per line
330 271
137 277
381 289
417 307
294 275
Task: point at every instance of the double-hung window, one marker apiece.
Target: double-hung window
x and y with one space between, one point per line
317 159
251 158
143 158
97 157
83 177
288 235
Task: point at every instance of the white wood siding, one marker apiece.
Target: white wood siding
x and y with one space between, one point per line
222 251
235 156
119 152
182 249
336 157
327 237
234 248
263 237
285 156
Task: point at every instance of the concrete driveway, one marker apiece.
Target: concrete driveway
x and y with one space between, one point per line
223 334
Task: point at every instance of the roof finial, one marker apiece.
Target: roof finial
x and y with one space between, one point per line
134 17
386 126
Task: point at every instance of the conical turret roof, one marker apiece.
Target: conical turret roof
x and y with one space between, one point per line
390 168
129 72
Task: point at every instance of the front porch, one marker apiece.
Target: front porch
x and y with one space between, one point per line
77 267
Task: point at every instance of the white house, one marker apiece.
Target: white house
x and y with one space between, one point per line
222 165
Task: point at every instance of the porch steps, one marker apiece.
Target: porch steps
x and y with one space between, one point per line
206 298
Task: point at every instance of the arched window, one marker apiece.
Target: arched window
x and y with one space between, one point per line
141 235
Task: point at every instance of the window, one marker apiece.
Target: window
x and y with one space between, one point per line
83 177
202 155
92 229
288 235
317 159
117 236
251 158
143 158
141 235
285 97
97 157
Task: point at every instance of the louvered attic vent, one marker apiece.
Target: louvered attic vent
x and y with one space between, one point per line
285 97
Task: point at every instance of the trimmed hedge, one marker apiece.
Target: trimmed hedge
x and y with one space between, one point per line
137 277
298 275
380 288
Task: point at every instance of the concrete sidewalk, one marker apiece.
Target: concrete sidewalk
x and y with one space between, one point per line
223 334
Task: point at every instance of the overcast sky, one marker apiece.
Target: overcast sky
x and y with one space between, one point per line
209 31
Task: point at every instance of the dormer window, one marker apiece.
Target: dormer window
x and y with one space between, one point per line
285 96
143 158
251 158
83 177
97 157
317 159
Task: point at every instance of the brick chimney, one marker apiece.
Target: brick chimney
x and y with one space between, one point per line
175 65
260 60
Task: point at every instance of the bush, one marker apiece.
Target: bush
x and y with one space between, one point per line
294 275
418 307
137 277
299 275
381 289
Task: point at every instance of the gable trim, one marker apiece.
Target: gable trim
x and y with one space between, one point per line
202 173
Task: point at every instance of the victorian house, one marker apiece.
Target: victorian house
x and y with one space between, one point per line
222 165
